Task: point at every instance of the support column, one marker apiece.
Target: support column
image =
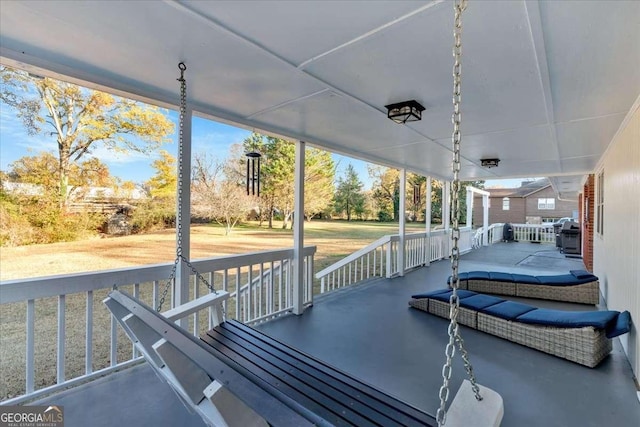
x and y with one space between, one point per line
485 219
446 208
446 214
401 221
427 222
469 208
181 287
298 231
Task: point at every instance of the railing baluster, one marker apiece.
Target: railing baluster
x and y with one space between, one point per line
196 315
225 287
154 293
136 294
280 279
114 342
271 291
238 312
61 339
88 365
261 289
30 374
250 305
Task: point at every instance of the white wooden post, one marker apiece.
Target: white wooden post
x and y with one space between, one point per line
427 222
298 231
401 222
181 289
469 208
446 215
485 219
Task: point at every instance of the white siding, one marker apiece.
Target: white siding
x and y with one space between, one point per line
616 257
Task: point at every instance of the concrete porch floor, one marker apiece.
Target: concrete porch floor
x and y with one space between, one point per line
369 331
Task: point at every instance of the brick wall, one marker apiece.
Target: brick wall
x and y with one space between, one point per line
587 217
562 209
514 215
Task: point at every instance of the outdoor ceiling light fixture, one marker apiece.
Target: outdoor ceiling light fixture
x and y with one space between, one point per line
489 163
403 112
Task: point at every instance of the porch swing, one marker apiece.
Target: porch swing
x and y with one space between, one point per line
237 376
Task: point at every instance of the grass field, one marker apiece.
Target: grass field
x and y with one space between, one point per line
334 241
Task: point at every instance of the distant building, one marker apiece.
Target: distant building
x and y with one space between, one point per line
533 202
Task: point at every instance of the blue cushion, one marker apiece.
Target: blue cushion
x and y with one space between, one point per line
478 275
478 302
565 280
508 310
560 280
569 319
622 325
501 277
525 278
582 274
444 296
429 294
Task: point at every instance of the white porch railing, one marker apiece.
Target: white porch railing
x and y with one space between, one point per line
381 258
542 233
85 341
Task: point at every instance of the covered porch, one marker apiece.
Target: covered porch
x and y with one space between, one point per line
369 331
527 76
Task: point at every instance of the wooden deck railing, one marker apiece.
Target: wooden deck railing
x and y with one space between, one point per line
62 322
382 257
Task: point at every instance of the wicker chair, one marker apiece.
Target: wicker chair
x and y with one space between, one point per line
578 286
585 344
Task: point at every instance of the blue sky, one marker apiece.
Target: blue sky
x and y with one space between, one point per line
208 136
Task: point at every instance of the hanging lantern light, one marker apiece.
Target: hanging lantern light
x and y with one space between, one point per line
403 112
253 173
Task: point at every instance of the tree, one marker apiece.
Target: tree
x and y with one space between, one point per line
81 119
217 197
349 197
386 191
277 177
41 170
319 175
163 184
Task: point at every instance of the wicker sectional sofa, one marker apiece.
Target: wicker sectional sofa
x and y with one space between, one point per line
577 286
583 337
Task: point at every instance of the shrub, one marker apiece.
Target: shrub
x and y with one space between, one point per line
155 214
384 216
29 220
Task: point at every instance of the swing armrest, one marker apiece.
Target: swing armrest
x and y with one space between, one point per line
196 305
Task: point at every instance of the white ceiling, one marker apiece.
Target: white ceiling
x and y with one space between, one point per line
546 84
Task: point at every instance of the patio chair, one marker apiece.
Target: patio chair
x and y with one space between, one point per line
583 337
236 376
578 286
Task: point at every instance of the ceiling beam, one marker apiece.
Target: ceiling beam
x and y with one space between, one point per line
532 9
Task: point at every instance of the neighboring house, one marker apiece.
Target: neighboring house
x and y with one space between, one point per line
78 193
533 202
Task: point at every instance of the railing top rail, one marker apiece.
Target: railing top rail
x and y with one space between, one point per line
534 225
49 286
345 261
231 261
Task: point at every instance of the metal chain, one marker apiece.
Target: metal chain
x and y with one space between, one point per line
179 256
454 302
